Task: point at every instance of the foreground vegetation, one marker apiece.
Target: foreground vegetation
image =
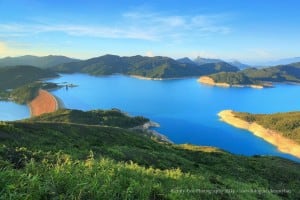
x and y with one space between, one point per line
288 124
77 159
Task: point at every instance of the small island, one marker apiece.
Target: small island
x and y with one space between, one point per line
231 79
281 129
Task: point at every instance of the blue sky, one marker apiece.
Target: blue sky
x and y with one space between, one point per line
247 30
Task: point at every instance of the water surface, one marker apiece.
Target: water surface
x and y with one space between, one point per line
186 110
10 111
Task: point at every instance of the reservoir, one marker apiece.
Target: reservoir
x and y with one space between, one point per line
185 109
10 111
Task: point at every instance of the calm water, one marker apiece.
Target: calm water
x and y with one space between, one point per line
11 111
186 110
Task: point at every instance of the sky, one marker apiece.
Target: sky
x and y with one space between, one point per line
247 30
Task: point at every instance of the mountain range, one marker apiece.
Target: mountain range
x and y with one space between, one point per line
200 61
41 62
151 67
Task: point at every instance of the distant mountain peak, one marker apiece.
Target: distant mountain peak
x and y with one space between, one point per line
200 60
185 60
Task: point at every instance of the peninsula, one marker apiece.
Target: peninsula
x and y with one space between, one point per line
283 135
230 79
255 78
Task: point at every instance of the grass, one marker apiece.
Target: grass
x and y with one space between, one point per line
54 160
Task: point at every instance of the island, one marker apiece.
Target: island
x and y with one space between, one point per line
281 129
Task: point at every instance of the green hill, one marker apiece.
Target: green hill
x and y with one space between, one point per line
286 123
41 62
152 67
55 158
232 78
13 77
95 117
280 73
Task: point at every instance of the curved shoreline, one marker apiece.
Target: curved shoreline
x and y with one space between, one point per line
282 143
209 81
45 102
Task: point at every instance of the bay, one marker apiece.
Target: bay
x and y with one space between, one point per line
185 109
10 111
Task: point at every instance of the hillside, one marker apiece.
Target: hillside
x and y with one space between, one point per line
41 62
232 78
151 67
45 159
280 73
94 117
238 64
13 77
288 124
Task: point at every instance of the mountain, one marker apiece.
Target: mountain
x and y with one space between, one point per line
41 62
151 67
185 60
280 73
16 76
239 64
79 157
200 61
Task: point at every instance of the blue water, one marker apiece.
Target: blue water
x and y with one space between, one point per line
186 110
10 111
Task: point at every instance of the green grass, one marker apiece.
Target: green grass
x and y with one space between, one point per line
112 117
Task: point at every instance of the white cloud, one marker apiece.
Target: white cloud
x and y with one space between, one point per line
17 30
133 25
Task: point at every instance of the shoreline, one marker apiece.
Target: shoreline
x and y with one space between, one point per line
45 102
160 79
209 81
146 127
282 143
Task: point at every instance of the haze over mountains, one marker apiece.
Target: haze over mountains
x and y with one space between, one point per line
283 61
41 62
151 67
